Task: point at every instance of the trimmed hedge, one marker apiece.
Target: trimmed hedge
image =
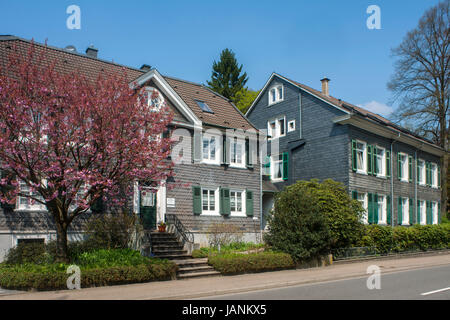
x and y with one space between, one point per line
400 239
235 263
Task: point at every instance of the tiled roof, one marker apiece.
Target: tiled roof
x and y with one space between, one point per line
225 113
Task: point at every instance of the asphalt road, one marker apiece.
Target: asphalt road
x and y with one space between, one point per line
429 283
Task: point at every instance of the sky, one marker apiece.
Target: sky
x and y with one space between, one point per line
301 40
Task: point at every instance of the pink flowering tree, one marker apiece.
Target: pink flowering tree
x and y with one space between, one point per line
68 139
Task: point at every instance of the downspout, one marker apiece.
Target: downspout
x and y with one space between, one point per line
392 180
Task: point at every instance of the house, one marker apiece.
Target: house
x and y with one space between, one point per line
394 173
217 179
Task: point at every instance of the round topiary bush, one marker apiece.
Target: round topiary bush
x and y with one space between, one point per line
298 226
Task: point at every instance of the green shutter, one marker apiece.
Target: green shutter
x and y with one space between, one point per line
418 212
197 200
285 165
410 168
249 203
389 210
370 208
374 161
399 166
354 166
375 208
411 211
369 160
388 163
439 212
399 211
354 195
225 205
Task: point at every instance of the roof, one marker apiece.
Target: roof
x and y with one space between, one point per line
350 109
225 113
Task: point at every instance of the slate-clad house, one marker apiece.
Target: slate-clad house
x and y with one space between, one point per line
217 180
394 173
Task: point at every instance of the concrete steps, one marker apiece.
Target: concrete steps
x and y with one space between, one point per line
193 268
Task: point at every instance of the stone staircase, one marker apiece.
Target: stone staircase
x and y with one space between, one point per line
165 245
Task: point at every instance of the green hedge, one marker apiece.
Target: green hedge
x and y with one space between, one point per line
230 248
235 263
400 239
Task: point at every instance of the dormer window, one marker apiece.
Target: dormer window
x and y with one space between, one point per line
155 99
276 94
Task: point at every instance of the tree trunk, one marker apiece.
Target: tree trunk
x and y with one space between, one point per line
62 254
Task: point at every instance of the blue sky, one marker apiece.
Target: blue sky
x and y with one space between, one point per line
302 40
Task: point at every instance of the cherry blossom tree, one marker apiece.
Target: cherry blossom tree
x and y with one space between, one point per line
69 139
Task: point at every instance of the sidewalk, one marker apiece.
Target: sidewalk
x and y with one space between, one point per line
204 287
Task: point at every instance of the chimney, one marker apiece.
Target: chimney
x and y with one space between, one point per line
325 87
91 51
145 67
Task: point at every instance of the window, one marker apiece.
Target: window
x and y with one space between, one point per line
276 94
204 106
381 207
291 125
362 198
209 201
361 157
276 128
405 211
380 161
236 202
434 212
237 152
421 213
277 171
26 203
210 149
403 167
421 172
155 99
434 175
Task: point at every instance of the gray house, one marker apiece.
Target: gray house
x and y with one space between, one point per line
217 174
394 173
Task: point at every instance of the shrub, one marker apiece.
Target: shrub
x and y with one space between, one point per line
223 234
28 253
110 258
234 263
298 226
232 247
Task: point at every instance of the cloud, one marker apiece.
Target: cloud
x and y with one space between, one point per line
377 107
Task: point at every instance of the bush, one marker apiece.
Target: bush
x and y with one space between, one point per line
28 253
298 226
232 247
223 234
234 263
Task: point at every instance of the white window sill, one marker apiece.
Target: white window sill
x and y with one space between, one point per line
277 180
31 209
273 103
238 166
214 163
403 180
238 215
361 172
211 214
382 223
405 224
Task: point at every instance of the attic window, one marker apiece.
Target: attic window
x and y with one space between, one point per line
204 106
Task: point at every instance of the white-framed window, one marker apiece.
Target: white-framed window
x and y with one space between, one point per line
237 152
291 125
382 210
276 94
78 197
421 172
276 127
405 211
211 149
277 167
361 157
403 159
422 212
434 212
434 175
26 203
237 203
380 159
210 203
362 198
155 99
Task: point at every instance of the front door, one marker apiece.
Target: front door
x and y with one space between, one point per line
148 208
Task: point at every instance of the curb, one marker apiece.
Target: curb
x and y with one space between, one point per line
394 256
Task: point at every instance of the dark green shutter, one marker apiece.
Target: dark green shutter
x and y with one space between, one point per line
354 195
370 207
389 210
439 212
249 203
388 163
225 205
399 211
354 160
375 208
374 161
411 211
285 165
399 166
410 172
369 160
197 200
418 212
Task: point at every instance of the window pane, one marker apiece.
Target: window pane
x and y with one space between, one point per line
233 200
212 147
212 202
360 160
205 148
205 199
282 126
238 153
239 201
272 92
280 93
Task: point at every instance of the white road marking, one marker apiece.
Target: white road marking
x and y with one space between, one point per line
435 291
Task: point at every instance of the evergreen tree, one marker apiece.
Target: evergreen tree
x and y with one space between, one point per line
226 78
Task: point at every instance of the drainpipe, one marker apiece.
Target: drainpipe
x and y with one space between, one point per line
392 180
